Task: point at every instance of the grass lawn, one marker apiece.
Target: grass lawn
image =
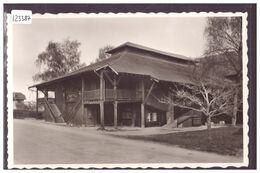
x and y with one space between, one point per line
226 140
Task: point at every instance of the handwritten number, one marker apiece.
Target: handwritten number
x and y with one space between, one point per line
17 18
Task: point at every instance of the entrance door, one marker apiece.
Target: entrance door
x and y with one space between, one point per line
91 114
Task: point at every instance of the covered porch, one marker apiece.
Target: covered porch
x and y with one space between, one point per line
105 98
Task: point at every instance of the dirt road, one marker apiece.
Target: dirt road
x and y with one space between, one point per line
37 142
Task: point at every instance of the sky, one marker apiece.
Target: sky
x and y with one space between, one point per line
177 35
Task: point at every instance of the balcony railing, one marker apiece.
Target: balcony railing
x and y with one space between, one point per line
122 95
91 95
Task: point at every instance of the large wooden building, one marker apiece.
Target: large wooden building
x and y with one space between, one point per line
123 90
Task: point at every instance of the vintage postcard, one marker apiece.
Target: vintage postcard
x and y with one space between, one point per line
127 90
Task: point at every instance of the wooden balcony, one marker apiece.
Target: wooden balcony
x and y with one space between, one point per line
122 95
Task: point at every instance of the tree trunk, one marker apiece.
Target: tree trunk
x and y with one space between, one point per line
235 108
209 131
208 122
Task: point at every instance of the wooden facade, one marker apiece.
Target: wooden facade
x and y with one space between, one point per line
106 95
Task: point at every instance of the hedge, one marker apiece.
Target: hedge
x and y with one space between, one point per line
21 114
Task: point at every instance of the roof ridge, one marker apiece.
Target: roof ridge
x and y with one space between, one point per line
139 46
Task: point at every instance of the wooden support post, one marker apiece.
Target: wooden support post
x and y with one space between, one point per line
102 96
142 105
142 116
47 95
115 114
82 100
115 102
37 107
102 124
149 92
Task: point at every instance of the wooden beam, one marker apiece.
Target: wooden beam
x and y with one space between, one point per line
46 95
102 97
115 81
142 115
149 92
108 77
102 122
115 86
133 115
142 104
97 73
119 79
142 89
115 114
115 101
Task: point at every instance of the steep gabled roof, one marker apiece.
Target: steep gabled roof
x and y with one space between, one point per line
136 63
162 70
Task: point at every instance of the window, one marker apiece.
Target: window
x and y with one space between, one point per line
154 116
151 117
148 117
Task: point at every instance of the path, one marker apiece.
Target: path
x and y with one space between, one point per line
37 142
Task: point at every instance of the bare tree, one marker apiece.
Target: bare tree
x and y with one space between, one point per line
211 96
208 99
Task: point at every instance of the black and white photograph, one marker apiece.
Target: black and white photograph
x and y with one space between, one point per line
136 90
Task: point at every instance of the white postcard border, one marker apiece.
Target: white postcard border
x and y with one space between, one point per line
150 165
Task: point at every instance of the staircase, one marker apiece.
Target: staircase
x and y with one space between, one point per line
56 113
193 116
53 113
187 117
